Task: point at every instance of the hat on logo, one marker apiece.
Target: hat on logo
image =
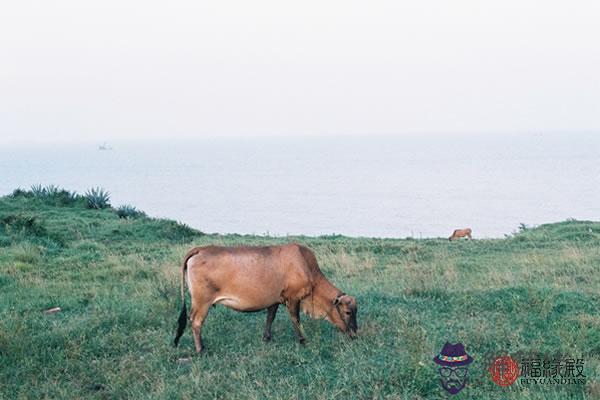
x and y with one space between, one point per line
453 355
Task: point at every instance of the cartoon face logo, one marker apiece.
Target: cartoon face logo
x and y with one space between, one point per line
453 363
453 379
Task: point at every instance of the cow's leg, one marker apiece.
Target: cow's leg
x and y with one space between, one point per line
294 309
197 317
271 311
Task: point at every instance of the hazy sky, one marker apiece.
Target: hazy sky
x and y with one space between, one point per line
108 69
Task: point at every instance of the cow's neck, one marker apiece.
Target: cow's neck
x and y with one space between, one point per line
321 303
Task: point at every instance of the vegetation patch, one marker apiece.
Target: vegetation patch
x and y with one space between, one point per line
115 276
128 211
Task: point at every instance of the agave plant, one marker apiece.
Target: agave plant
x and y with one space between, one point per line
52 191
129 211
50 194
38 191
97 198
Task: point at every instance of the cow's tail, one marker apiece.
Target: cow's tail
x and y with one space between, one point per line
182 320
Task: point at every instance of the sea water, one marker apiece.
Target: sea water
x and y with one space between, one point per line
381 186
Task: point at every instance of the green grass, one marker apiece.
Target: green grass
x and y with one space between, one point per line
117 283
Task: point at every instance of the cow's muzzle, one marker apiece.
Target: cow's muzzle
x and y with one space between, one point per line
352 327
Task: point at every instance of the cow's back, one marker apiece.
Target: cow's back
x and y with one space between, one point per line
248 278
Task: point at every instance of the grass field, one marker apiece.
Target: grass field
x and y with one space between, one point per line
117 283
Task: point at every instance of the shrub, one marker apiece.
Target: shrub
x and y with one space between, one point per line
28 224
97 198
51 194
523 227
174 231
129 211
20 193
65 198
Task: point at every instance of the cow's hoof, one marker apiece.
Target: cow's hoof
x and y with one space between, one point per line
302 341
266 338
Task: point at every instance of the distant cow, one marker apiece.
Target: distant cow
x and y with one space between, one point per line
251 279
458 233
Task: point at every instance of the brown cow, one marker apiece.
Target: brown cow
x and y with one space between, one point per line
251 279
458 233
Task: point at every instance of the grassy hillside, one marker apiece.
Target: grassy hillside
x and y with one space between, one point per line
116 281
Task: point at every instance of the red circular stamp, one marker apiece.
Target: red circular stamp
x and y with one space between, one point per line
504 371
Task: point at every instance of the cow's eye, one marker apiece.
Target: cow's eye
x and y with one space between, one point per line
348 313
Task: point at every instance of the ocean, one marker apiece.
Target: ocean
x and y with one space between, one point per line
376 186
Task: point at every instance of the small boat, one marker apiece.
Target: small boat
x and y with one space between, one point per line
104 146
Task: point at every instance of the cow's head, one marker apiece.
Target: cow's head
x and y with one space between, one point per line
346 309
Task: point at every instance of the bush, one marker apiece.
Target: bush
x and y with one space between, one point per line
21 193
174 231
97 198
129 211
523 227
51 194
65 198
21 223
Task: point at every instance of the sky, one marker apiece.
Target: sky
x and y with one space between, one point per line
109 70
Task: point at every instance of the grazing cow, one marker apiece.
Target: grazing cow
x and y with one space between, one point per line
251 279
458 233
